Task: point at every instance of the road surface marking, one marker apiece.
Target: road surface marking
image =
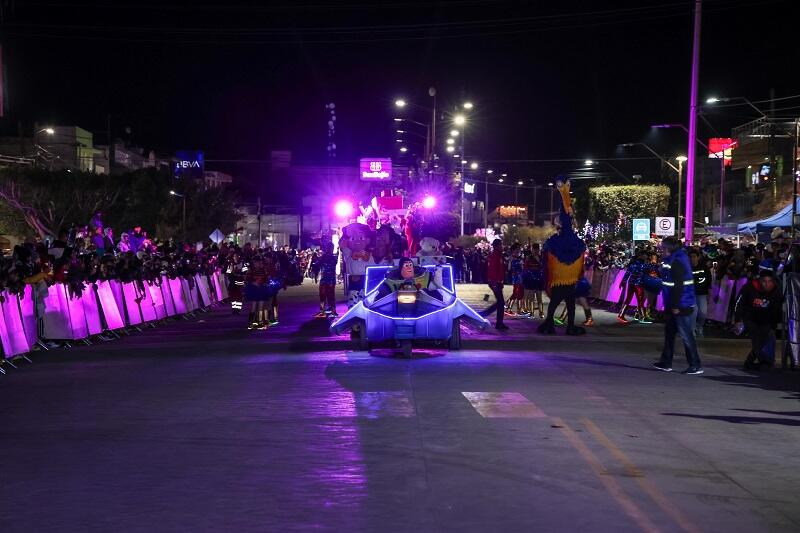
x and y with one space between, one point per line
648 486
384 404
503 405
611 485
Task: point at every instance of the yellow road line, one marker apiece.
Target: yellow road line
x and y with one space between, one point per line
611 485
647 486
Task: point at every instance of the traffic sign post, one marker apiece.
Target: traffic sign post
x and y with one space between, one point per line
665 226
641 229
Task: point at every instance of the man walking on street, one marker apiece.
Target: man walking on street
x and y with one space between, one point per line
496 278
679 303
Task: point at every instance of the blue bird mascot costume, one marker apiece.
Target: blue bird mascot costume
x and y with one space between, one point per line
563 263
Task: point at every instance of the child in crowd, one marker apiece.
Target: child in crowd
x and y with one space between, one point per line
533 281
518 293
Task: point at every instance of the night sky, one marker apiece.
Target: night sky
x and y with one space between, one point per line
549 80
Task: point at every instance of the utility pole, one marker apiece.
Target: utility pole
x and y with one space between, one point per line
258 218
795 177
692 151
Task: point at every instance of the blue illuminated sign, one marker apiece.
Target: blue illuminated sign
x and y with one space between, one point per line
189 164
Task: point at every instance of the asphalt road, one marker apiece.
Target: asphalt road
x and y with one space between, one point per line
203 426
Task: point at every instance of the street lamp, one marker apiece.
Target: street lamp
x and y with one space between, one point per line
473 165
451 141
646 147
588 162
451 149
183 201
400 103
715 100
459 120
468 105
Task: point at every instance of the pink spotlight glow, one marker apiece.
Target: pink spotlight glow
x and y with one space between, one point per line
343 208
429 202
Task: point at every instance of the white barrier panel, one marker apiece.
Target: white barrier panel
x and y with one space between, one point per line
223 284
721 300
216 282
111 311
56 314
614 292
178 296
131 305
28 311
91 310
12 334
201 282
166 292
189 294
77 318
158 301
146 305
119 298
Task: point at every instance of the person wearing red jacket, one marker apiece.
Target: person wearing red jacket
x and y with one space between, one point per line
496 277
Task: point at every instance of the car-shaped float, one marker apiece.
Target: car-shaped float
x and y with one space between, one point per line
404 309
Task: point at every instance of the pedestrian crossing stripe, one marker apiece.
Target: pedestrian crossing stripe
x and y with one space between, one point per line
503 405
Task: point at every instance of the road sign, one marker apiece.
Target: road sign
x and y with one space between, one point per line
665 226
641 229
217 236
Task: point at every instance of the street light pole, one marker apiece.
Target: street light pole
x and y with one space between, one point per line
691 154
680 160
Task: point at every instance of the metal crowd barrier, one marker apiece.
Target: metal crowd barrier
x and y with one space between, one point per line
103 307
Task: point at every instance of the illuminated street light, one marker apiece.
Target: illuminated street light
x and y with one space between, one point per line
403 149
550 184
451 141
715 100
451 149
400 131
456 156
453 133
500 180
681 159
490 171
400 103
399 140
49 131
398 120
460 120
588 162
519 182
473 165
468 105
504 175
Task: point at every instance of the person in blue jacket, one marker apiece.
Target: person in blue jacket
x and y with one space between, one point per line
679 303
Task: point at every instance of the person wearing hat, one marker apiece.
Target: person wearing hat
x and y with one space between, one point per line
758 310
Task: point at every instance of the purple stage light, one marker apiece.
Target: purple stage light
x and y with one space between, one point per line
343 208
429 202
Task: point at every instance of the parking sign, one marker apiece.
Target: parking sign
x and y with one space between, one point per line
665 226
641 229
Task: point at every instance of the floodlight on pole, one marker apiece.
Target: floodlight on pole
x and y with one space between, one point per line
459 120
468 105
400 102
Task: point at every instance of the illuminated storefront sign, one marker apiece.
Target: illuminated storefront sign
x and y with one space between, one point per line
469 188
376 169
190 164
717 146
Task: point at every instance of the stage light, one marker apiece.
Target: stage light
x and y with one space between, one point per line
429 202
343 208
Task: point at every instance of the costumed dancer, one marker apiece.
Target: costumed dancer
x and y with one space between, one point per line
518 292
327 282
582 291
563 262
634 278
356 258
236 272
276 277
257 291
533 281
